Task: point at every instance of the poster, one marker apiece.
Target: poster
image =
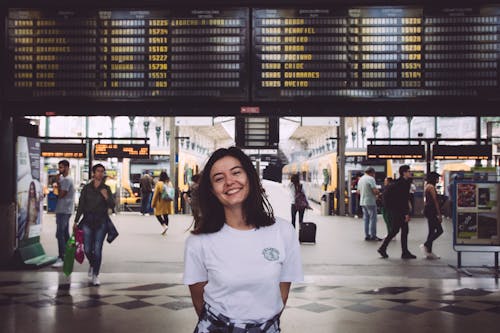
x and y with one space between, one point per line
477 218
29 189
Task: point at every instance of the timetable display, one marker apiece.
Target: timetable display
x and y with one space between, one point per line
63 150
378 53
119 54
107 150
251 55
396 151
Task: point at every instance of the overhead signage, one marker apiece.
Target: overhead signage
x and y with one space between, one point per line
129 54
249 110
63 150
108 150
318 54
416 152
462 152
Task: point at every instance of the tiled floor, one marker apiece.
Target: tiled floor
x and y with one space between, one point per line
348 287
129 302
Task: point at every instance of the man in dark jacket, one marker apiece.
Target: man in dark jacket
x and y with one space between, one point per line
397 204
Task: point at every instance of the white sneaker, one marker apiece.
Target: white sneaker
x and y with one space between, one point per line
114 214
147 214
58 263
90 273
433 256
95 280
424 250
164 230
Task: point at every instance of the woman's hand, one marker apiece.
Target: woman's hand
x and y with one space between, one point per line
197 291
104 193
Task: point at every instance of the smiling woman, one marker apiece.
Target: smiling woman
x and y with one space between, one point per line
239 260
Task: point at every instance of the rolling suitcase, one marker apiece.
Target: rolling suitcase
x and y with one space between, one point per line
307 232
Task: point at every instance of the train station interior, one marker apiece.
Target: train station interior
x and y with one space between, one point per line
323 91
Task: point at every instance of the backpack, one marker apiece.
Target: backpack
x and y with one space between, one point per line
167 193
301 200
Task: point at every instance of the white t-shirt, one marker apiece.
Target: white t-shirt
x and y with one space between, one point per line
244 268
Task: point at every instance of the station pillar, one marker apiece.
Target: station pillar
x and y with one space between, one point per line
7 194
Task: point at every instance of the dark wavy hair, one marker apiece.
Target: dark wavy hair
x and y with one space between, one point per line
433 178
256 208
164 177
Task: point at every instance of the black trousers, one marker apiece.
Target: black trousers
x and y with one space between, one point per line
294 213
397 222
435 230
163 219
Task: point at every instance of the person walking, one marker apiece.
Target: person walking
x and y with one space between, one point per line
432 212
192 197
368 192
297 198
397 203
239 261
163 203
64 208
146 187
95 200
387 182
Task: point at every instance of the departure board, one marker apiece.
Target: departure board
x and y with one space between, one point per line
138 54
461 51
107 150
252 55
300 53
391 53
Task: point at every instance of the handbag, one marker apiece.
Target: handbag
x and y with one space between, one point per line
69 256
167 193
111 230
301 200
80 253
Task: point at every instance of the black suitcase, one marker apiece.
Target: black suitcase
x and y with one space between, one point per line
307 232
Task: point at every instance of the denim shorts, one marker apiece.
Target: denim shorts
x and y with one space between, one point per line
211 321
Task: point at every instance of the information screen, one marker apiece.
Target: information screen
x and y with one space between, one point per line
251 55
376 53
107 150
63 150
462 152
396 151
129 54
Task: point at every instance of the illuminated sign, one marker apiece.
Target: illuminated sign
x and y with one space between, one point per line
463 152
107 150
63 150
416 152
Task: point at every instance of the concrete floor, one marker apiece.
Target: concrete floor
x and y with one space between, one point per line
348 288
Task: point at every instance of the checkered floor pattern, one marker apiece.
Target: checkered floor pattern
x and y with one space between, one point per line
309 298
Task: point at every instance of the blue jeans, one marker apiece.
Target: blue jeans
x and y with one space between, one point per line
370 219
93 240
62 232
145 202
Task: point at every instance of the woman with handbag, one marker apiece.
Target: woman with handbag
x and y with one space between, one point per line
163 200
432 211
298 199
95 200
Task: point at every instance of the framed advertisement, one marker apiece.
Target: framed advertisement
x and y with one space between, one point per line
476 217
